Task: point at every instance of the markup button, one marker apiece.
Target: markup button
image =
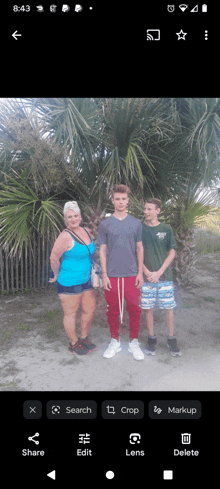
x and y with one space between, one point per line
175 409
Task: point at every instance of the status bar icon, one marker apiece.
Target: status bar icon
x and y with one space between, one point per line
65 8
195 9
53 8
78 8
40 8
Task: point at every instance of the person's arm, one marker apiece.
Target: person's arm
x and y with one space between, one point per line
146 271
154 276
103 259
62 244
168 260
140 259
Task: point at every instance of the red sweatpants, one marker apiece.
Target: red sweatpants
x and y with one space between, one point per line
132 297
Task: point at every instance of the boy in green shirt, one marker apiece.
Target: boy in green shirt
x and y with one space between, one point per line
159 251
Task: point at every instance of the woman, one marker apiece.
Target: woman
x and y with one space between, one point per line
74 285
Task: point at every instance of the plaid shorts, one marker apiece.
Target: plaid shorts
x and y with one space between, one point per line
160 293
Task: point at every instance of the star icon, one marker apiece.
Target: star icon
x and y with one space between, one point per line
181 35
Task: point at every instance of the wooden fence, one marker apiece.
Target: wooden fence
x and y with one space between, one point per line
31 271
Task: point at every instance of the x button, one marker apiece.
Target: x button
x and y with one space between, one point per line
32 409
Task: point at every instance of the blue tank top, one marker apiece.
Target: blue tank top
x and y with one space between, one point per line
76 265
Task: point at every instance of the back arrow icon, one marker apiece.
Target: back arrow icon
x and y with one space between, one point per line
15 34
52 475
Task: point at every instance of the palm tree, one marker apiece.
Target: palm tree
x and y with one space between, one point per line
132 131
23 212
84 146
71 124
149 143
41 174
188 209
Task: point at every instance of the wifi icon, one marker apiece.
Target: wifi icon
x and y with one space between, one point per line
183 7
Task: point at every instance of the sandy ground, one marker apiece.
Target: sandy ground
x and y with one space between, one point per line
34 348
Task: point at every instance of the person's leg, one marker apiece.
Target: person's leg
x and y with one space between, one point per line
150 321
171 340
88 304
112 313
132 297
148 301
167 301
152 340
169 321
111 297
70 304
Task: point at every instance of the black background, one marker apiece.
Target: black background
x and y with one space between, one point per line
104 52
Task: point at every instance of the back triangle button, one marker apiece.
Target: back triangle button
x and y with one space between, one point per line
52 475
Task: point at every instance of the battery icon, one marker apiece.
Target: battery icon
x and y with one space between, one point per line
204 7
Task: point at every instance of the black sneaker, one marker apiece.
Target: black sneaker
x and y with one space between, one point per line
172 345
86 341
79 348
151 346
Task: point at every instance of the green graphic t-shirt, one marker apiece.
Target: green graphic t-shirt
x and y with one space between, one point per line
157 241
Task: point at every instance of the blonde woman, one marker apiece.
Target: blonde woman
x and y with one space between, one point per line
74 286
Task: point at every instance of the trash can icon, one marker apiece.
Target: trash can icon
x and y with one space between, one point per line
186 438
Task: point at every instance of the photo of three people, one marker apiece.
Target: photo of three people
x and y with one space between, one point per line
135 266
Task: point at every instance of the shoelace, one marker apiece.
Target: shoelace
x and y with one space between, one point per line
121 305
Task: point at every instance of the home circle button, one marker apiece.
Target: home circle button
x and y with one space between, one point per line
110 474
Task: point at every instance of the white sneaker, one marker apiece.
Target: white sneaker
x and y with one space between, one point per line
135 350
113 348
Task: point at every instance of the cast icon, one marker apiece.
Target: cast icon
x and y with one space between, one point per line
153 35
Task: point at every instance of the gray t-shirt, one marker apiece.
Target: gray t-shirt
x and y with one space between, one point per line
121 237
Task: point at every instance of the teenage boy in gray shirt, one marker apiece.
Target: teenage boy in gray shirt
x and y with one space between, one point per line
121 256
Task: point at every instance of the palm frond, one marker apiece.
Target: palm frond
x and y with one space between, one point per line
21 212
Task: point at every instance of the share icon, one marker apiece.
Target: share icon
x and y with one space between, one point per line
31 438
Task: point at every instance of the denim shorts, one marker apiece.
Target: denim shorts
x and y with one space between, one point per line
159 293
74 289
